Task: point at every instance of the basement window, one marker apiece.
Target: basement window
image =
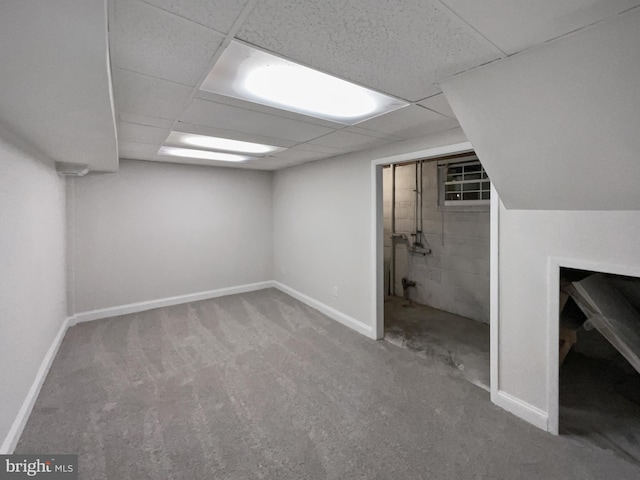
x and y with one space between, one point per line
463 182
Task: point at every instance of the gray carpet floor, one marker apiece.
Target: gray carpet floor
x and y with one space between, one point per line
259 385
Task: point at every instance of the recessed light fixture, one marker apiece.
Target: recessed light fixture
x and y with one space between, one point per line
220 144
250 74
202 154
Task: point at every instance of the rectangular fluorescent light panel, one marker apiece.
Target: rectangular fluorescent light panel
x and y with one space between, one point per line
202 154
256 76
204 142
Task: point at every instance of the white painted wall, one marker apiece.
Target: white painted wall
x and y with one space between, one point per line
322 227
155 230
529 240
32 269
455 276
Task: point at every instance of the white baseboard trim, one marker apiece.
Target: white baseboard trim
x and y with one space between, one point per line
357 325
522 409
11 440
167 302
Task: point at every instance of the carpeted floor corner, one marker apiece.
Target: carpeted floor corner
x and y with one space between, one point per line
260 386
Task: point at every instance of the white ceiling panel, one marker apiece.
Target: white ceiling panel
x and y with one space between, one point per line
348 141
126 154
371 133
217 115
236 102
137 151
397 47
301 154
514 25
270 163
276 163
137 148
409 122
152 97
152 41
438 103
133 132
242 136
196 161
320 149
217 14
144 120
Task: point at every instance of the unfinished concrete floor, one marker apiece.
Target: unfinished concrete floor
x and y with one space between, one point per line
454 340
597 386
600 397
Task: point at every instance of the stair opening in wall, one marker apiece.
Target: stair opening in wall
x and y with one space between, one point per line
599 360
436 216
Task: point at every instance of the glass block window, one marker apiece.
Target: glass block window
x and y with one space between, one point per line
465 183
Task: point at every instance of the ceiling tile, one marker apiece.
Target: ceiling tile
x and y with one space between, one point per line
136 150
302 154
276 163
203 162
217 14
234 135
438 103
320 148
138 147
126 154
514 25
143 95
287 158
344 140
133 132
409 122
152 41
236 102
216 115
398 47
372 133
144 120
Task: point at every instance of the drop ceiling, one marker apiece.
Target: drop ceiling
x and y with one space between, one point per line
162 50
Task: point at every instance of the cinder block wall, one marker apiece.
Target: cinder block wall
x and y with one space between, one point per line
455 276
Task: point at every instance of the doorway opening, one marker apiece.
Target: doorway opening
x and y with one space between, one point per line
436 250
599 360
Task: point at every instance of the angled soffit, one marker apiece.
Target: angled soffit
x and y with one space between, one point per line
557 127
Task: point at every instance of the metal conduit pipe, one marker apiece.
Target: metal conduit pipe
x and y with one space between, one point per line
392 263
421 241
416 227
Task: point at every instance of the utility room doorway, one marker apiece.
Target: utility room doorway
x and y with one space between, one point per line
436 234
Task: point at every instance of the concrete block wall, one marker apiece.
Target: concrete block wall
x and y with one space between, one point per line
455 276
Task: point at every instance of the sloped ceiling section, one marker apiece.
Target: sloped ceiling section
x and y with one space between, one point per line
557 127
55 89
